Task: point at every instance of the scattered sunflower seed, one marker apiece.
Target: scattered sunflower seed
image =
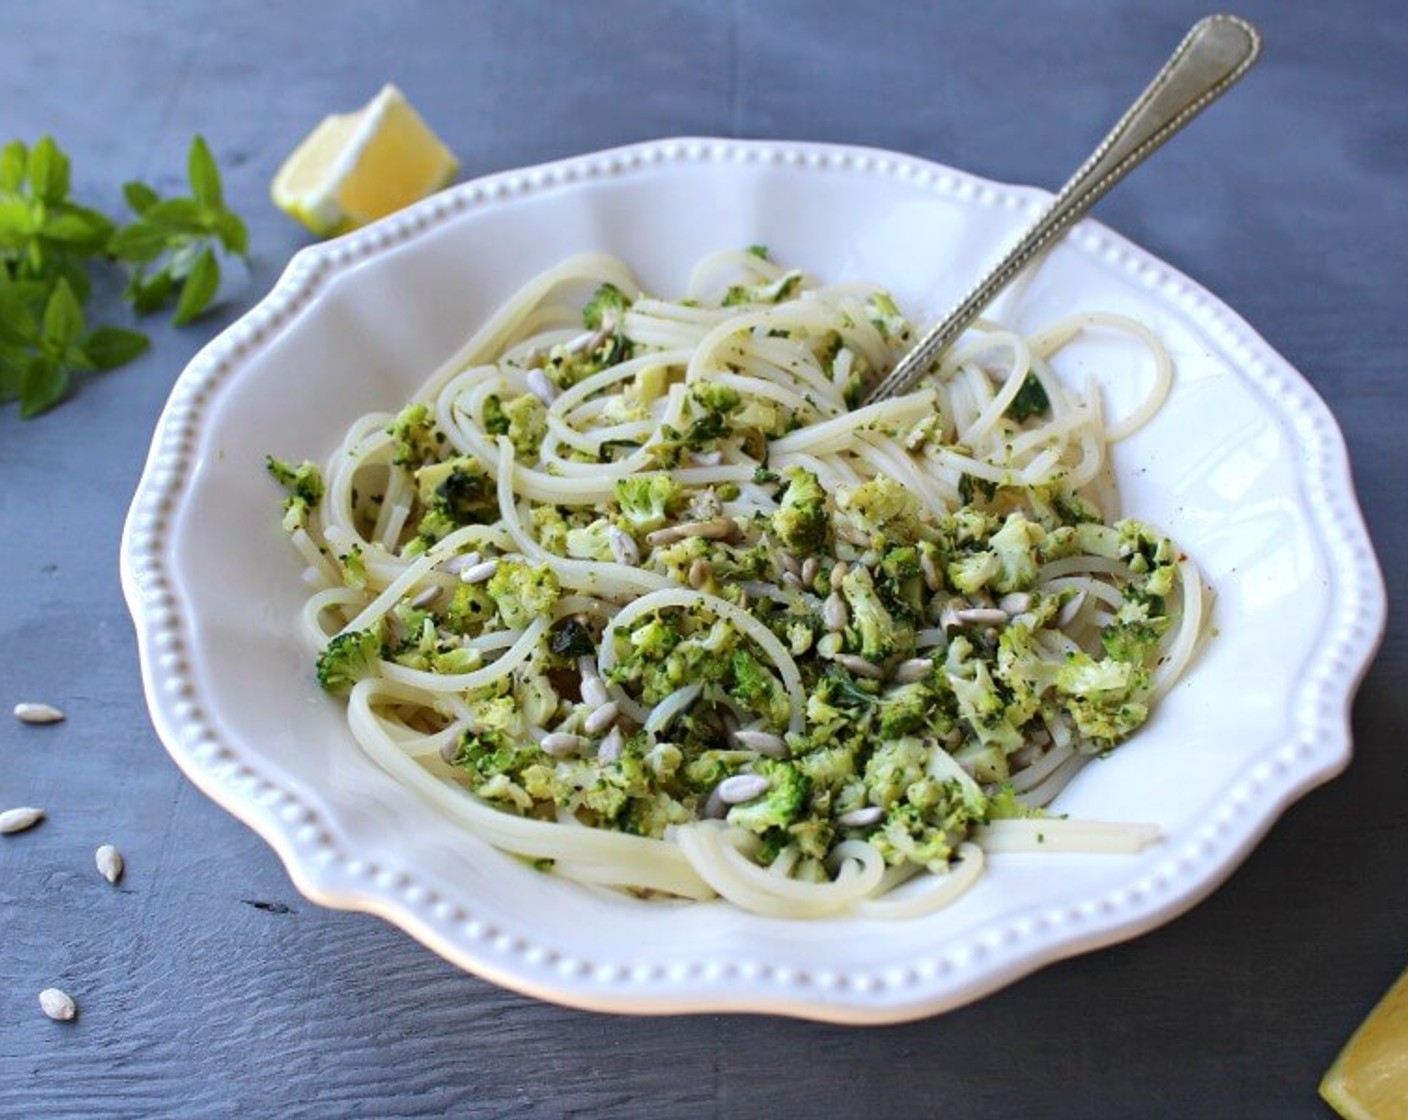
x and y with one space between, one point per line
933 579
830 645
17 820
834 612
110 863
792 579
764 742
980 616
450 751
1069 611
742 787
480 573
700 573
915 669
425 598
810 567
838 573
609 749
861 818
623 547
541 387
594 692
859 666
57 1004
37 713
715 529
1015 602
456 564
560 744
788 563
601 719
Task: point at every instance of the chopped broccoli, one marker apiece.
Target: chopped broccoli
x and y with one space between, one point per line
1015 545
305 485
782 804
454 493
1132 641
800 522
759 690
771 291
905 710
645 500
523 591
886 316
590 542
873 627
971 573
880 511
416 439
348 658
606 300
522 418
892 768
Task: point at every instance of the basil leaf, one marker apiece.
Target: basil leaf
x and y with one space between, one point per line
175 215
110 347
202 282
48 171
12 366
42 386
139 196
63 317
204 175
139 242
150 293
14 158
231 231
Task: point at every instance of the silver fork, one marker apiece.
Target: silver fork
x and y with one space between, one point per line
1214 54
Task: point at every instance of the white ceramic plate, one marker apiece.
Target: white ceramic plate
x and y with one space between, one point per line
1244 467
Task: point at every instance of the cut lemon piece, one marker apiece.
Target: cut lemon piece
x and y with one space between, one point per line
1369 1080
357 167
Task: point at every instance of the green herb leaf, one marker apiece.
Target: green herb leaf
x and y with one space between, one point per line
139 242
81 228
1031 400
110 347
202 282
231 231
204 175
14 159
43 386
48 171
150 293
63 318
139 196
176 215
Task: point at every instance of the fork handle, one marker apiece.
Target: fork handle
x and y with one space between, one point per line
1215 53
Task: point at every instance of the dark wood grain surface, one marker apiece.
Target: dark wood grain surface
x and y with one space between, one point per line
209 987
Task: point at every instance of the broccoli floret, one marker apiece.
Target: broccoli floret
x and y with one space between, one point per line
888 319
304 482
590 542
645 500
1103 697
348 658
879 510
971 573
550 527
905 710
872 626
1004 806
607 300
522 591
416 439
892 768
783 803
758 690
773 291
1016 547
800 522
354 568
982 706
454 493
703 773
908 836
829 768
523 419
1132 641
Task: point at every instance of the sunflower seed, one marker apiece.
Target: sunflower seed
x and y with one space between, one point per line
915 669
764 742
810 567
715 529
859 666
481 572
601 719
742 787
861 818
425 598
700 572
594 692
838 573
456 564
37 713
57 1005
1068 612
450 751
609 750
623 547
541 387
109 861
830 645
17 820
560 744
933 579
792 580
981 616
707 458
1015 602
834 612
788 563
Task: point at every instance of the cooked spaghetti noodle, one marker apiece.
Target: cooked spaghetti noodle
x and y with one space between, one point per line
633 589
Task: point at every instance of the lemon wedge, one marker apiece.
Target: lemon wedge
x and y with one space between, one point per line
357 167
1369 1080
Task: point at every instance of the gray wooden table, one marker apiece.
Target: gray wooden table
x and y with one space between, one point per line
209 987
